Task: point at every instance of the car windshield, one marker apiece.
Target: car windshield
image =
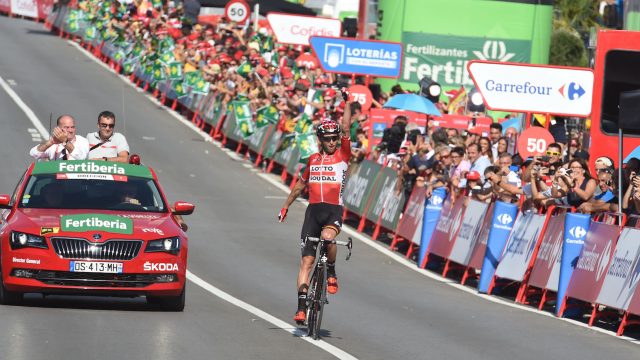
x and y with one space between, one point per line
52 191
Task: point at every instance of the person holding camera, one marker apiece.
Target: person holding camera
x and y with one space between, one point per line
576 183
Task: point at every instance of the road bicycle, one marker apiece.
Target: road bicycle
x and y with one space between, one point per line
317 294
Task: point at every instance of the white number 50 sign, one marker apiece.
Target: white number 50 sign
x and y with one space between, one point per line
237 11
534 142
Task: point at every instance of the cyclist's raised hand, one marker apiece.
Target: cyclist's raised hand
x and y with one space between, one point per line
283 214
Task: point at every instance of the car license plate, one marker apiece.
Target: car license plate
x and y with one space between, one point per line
95 267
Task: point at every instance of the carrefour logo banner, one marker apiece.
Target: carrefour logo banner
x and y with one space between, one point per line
350 56
504 217
444 58
96 222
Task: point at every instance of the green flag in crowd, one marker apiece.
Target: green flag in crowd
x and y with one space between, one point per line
158 72
74 26
166 44
167 57
119 55
304 125
137 50
192 77
244 69
175 70
129 66
148 69
308 145
286 141
201 87
244 118
90 33
267 44
156 3
267 115
179 89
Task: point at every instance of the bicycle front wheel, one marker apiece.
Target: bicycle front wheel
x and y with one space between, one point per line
320 296
311 309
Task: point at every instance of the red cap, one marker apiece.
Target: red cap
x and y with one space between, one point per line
473 175
286 73
263 72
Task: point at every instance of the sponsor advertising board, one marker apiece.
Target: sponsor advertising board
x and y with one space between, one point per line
546 268
469 233
361 57
621 278
504 216
359 185
520 246
432 210
412 217
297 29
534 88
447 228
25 8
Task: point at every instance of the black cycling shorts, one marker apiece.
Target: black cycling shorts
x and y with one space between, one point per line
317 217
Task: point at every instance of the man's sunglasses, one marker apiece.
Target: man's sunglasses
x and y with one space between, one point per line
553 153
329 138
110 126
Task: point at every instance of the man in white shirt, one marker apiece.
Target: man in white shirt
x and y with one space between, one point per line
105 144
64 144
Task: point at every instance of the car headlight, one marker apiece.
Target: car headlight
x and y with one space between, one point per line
170 245
22 240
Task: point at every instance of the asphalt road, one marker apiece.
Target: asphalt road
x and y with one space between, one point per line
383 310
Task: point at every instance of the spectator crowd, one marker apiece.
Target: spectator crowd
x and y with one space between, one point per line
237 63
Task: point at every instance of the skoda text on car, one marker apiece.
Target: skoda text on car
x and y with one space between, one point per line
92 228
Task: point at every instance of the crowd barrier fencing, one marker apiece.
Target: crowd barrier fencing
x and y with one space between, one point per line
38 10
538 251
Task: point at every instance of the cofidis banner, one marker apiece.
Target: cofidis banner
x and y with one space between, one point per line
432 210
575 232
504 217
350 56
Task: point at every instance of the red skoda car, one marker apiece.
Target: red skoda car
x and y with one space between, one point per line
92 228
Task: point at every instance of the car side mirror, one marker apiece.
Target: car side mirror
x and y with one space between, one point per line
183 208
5 199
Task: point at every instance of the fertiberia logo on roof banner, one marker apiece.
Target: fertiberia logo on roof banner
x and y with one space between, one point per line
444 58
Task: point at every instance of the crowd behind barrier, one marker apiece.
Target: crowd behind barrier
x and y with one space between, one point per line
446 200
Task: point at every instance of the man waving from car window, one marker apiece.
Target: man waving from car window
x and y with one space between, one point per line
106 144
64 144
325 176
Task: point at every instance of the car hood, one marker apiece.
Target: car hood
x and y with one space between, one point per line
107 224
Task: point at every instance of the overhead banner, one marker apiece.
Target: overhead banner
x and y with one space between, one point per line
546 268
469 233
444 57
360 57
447 228
623 274
297 29
504 216
588 275
520 246
432 210
534 88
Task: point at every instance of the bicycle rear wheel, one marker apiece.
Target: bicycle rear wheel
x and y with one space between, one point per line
320 295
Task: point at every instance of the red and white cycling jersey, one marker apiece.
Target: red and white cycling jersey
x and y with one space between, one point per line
326 174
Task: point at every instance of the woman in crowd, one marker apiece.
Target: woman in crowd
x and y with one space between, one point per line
485 148
577 183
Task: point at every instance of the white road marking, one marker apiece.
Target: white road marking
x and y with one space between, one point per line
33 131
27 111
248 166
273 180
275 197
339 353
148 138
12 82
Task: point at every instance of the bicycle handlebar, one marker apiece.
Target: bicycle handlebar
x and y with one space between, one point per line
348 244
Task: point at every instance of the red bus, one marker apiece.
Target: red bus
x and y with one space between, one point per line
617 69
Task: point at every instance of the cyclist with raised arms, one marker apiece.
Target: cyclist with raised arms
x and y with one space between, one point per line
325 175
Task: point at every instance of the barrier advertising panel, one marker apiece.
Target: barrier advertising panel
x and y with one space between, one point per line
358 187
258 137
588 275
25 8
504 215
575 232
432 210
520 246
44 8
634 305
622 276
469 232
548 259
477 255
447 228
385 197
5 6
413 215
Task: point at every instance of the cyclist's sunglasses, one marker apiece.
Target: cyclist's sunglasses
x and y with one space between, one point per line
329 138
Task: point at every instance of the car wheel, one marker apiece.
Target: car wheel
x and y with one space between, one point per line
169 303
9 297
